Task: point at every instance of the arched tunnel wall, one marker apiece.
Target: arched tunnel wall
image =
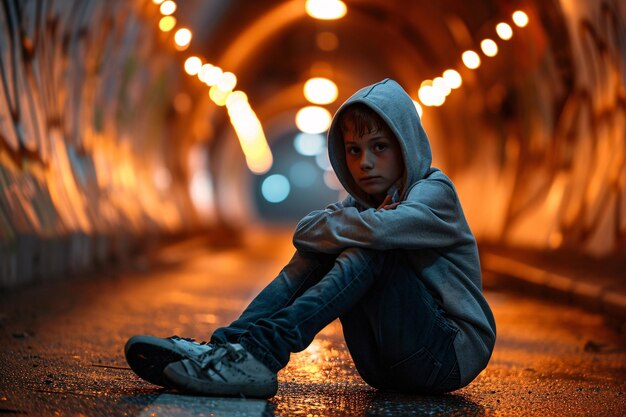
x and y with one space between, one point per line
86 167
93 151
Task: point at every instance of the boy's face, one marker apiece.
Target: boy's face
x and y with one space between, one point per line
374 160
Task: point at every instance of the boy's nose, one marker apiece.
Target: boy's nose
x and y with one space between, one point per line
366 162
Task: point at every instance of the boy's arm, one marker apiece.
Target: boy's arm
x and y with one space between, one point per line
428 218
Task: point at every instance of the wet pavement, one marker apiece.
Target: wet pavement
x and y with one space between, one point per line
62 347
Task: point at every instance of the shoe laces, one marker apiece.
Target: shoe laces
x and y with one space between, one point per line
189 339
224 351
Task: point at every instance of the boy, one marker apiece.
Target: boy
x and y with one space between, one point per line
395 261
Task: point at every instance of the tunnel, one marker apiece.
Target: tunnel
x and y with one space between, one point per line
107 142
156 156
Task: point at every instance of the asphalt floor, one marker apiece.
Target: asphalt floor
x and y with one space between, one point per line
62 346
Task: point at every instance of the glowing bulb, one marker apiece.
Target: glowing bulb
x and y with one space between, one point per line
489 47
520 18
326 9
236 101
471 59
167 8
218 96
193 65
182 37
313 119
210 74
431 96
452 78
157 2
167 23
320 90
504 31
440 84
227 81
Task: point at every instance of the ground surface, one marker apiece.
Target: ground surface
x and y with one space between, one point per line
62 347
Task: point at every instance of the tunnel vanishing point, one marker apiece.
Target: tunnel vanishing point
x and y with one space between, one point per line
107 141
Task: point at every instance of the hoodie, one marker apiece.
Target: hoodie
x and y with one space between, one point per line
428 225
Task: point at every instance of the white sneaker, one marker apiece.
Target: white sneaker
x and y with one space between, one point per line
149 355
227 370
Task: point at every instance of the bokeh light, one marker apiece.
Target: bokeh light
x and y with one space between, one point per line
309 144
452 78
504 31
471 59
167 8
489 47
182 38
520 18
313 119
320 90
326 9
193 65
275 188
167 23
303 174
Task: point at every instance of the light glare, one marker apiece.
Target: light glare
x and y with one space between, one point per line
182 37
326 9
308 144
452 78
320 90
193 65
489 47
167 8
471 59
520 18
313 119
167 23
504 31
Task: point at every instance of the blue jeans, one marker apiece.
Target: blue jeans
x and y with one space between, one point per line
395 331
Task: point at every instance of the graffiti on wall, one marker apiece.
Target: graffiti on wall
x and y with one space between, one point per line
83 112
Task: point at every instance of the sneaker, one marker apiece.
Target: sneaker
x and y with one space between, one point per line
228 370
149 355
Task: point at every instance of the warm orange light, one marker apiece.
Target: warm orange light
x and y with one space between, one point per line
320 90
429 95
167 8
489 47
157 2
227 81
313 119
452 78
167 23
250 133
182 38
326 9
471 59
440 84
193 65
520 18
504 31
218 96
210 74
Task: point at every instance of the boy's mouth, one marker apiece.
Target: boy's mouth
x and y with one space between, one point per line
369 179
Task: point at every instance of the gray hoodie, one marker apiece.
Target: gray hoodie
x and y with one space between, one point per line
428 225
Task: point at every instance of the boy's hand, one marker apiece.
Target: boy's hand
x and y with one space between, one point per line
385 204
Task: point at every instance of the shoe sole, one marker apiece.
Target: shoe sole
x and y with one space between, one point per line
148 356
192 385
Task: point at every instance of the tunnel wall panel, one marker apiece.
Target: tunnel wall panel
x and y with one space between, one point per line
84 108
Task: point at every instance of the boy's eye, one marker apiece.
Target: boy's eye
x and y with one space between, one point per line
380 147
352 150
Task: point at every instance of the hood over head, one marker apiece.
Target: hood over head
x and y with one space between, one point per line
389 100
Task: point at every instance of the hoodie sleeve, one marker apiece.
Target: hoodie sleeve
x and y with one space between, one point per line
428 218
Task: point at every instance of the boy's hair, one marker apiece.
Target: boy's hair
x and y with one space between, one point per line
360 118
